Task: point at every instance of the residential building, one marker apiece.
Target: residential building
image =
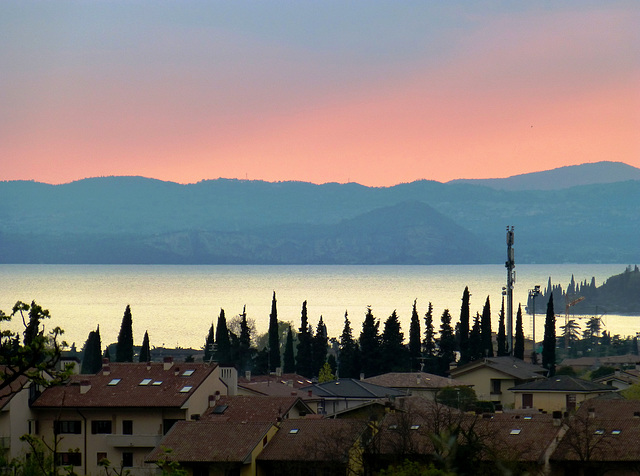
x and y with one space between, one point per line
415 383
16 418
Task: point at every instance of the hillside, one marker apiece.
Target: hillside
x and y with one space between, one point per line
139 220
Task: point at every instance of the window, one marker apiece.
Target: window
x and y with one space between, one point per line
293 431
527 400
598 432
69 459
515 431
415 427
145 381
127 427
495 386
200 471
167 423
186 389
100 426
616 432
114 381
219 409
127 460
188 373
67 426
157 382
100 455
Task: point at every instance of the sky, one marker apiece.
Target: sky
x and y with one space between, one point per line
373 92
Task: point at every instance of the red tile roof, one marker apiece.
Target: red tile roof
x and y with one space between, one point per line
419 380
129 385
210 441
242 408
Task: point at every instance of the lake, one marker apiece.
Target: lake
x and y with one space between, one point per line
177 304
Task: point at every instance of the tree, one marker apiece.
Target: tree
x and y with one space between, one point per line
223 342
461 397
319 346
325 374
518 345
348 361
124 346
446 344
39 353
392 348
289 360
305 337
464 327
209 345
485 326
549 342
570 334
502 334
429 342
415 341
475 340
92 355
244 342
145 350
274 337
369 345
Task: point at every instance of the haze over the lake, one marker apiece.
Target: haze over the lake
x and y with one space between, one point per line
370 92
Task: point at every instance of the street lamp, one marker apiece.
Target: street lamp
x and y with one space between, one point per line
533 293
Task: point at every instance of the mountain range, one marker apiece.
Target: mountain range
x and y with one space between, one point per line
595 218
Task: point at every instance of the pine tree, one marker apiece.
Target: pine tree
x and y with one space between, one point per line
369 345
348 364
429 342
446 344
463 329
549 342
274 337
92 356
289 366
518 345
209 345
124 346
145 350
393 352
415 344
502 334
319 346
485 326
325 374
475 340
223 342
304 357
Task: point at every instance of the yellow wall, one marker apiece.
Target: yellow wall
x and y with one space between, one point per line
481 377
553 401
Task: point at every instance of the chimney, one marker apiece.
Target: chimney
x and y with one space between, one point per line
309 393
85 385
167 362
278 371
211 401
361 376
106 368
247 375
176 371
636 414
557 418
592 412
290 383
148 365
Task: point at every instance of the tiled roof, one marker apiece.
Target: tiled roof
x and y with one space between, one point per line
8 392
313 440
352 388
210 441
243 408
274 389
129 385
516 368
288 380
563 383
418 380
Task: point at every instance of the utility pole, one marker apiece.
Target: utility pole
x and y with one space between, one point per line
511 279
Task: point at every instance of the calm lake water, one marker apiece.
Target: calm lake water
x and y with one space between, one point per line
177 304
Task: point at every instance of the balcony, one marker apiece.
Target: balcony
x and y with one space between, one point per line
133 441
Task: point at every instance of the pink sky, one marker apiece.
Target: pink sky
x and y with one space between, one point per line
371 93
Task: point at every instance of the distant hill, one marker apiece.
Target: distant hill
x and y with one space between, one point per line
138 220
563 177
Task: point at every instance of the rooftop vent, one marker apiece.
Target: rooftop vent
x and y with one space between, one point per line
167 362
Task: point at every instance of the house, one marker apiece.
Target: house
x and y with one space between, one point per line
621 379
316 446
559 393
414 383
212 447
338 395
16 418
122 412
242 408
492 377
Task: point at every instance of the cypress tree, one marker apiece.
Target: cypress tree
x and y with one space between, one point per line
369 345
106 355
415 343
502 334
485 327
475 340
274 337
124 346
244 342
348 365
289 366
320 344
145 350
223 342
305 337
429 342
92 356
209 345
464 327
446 344
392 348
518 345
549 342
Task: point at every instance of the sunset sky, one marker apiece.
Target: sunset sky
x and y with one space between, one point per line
374 92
